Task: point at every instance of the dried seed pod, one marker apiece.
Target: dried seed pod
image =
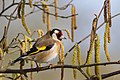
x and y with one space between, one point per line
56 10
106 43
30 3
97 57
23 18
74 61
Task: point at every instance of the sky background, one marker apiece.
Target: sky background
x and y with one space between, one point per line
86 10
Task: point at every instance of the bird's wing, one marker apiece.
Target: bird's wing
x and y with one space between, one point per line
41 46
44 37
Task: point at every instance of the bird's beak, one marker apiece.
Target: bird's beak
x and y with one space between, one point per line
62 37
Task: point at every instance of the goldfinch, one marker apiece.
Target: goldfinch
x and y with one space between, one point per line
45 48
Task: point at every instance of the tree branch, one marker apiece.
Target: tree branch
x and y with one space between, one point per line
104 76
53 67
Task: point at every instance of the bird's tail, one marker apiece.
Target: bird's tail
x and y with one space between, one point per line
18 59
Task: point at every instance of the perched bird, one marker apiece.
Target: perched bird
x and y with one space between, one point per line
45 48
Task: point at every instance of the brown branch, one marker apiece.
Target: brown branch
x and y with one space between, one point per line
23 71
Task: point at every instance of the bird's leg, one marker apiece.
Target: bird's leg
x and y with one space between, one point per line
37 66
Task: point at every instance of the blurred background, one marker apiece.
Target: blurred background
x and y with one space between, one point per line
86 10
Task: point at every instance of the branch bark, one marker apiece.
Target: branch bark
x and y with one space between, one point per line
54 67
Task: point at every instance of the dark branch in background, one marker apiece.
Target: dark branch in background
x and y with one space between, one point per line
61 8
35 5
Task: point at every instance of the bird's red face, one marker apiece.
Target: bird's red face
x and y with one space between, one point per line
58 33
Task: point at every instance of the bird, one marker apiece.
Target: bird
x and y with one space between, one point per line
44 49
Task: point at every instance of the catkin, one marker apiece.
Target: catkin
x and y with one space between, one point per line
97 57
44 6
106 43
92 38
72 33
1 54
26 43
43 16
23 47
78 54
89 57
109 13
56 10
68 34
23 18
62 53
73 20
74 61
108 32
48 18
62 60
30 3
105 11
40 33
